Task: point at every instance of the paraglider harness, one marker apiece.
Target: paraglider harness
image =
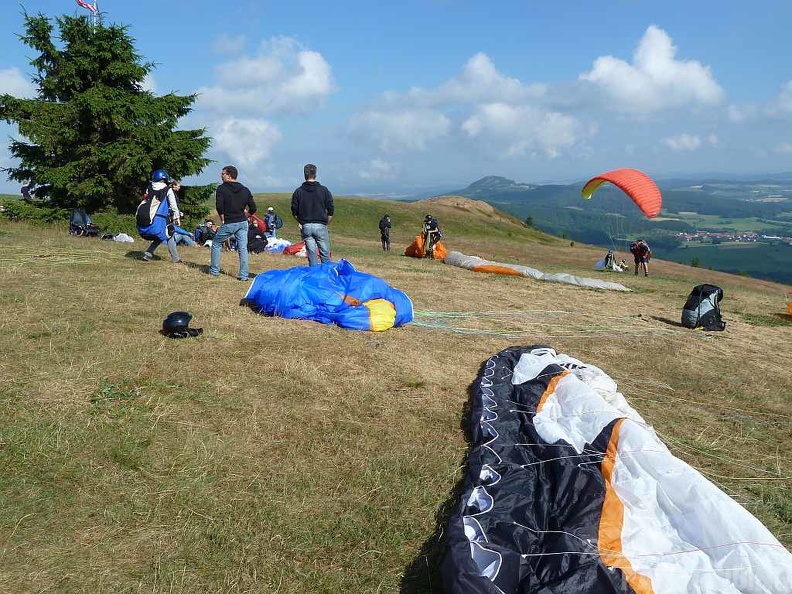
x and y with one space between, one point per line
432 234
80 224
702 309
153 216
640 251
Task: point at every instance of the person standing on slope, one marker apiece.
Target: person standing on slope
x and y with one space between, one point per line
641 254
312 206
234 204
385 227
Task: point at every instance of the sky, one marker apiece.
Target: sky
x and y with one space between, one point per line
425 95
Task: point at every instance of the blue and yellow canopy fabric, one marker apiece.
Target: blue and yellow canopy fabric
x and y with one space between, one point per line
333 293
568 490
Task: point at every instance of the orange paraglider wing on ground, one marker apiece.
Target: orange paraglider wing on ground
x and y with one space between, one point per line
636 184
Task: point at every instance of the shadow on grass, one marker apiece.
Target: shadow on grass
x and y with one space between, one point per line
137 255
422 575
202 268
667 321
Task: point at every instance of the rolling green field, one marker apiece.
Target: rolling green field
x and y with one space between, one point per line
702 221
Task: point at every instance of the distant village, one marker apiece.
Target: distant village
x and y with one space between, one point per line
733 236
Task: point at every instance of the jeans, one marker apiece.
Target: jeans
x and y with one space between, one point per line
181 238
240 232
174 253
316 235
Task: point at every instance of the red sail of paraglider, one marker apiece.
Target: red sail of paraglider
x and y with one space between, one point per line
636 184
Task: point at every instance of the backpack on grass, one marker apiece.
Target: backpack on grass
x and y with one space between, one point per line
702 308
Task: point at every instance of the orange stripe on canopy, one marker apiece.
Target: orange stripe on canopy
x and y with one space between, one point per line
496 269
611 525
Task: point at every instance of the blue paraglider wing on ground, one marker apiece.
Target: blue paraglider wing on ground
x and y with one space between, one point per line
333 293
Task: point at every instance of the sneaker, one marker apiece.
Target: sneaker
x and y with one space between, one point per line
177 261
148 256
244 280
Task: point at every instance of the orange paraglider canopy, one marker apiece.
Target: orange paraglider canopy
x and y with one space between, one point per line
636 184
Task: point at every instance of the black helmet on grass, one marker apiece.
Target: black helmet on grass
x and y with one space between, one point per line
177 325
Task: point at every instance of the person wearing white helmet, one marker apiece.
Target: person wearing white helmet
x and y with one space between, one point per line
271 220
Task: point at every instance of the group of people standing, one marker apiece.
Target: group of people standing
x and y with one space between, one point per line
311 205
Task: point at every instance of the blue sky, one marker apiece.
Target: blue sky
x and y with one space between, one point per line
438 93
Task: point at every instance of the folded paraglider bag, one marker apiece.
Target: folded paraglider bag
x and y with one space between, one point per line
257 245
702 308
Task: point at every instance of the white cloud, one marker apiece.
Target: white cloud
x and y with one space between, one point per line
150 83
377 169
229 44
683 142
778 107
520 130
13 82
479 81
284 77
247 142
405 129
479 102
781 104
656 80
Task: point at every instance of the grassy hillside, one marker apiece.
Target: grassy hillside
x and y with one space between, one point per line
288 456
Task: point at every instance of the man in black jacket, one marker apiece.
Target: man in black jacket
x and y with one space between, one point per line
234 204
312 206
385 227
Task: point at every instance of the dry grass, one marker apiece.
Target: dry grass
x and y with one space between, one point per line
272 455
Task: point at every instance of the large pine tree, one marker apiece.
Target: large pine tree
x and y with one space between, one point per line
93 135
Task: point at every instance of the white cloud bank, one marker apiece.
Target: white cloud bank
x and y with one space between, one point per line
282 78
479 103
378 170
246 141
523 129
656 80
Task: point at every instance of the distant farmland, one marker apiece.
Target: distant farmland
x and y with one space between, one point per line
760 260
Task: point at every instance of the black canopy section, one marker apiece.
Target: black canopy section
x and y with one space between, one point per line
527 520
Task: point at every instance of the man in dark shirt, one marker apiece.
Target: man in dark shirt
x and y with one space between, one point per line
385 227
234 204
312 206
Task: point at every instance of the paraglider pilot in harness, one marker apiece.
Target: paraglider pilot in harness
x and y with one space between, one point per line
431 234
641 254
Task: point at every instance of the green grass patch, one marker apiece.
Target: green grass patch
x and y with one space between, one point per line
765 320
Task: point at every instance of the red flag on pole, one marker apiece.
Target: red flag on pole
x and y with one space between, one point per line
88 6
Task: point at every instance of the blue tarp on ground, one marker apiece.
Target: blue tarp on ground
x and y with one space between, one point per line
333 293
